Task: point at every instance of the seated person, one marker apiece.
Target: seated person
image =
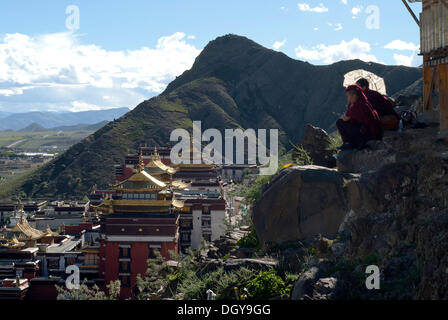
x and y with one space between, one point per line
385 109
360 123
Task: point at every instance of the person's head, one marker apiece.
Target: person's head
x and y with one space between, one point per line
352 96
353 93
363 83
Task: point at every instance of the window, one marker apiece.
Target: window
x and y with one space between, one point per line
89 260
186 209
124 266
53 263
125 281
206 223
205 210
186 237
207 237
186 224
125 252
153 252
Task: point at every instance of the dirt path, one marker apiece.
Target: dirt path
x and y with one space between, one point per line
12 145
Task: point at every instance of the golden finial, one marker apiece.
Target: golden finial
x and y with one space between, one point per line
141 163
21 211
155 156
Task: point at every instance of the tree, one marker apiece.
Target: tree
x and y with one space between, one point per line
86 293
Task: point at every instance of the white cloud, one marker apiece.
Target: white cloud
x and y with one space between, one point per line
401 45
306 7
338 27
78 106
278 44
57 71
344 1
414 60
354 49
356 10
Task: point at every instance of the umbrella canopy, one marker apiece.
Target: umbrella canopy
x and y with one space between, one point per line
376 82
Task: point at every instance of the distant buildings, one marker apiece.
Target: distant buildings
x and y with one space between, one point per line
154 206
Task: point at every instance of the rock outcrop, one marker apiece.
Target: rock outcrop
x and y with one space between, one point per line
317 143
302 202
395 200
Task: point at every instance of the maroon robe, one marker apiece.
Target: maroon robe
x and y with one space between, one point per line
380 103
363 112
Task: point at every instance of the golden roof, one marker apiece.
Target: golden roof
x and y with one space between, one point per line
49 233
195 167
179 185
14 243
23 227
144 176
178 203
158 164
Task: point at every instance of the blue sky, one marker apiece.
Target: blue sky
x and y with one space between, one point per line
128 51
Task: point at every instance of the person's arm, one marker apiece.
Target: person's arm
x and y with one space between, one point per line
345 118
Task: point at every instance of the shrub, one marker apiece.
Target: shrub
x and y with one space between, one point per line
250 240
267 285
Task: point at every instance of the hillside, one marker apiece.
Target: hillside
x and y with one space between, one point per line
80 127
233 83
18 121
34 127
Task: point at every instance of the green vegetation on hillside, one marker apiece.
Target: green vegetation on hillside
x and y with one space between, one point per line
13 185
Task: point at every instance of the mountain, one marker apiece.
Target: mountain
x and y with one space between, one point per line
4 114
415 89
34 127
81 127
234 82
18 121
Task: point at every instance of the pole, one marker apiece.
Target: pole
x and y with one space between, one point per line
411 12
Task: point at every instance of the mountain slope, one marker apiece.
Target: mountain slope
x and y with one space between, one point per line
34 127
17 121
81 127
233 83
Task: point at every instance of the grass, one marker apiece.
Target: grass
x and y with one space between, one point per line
33 140
336 141
13 185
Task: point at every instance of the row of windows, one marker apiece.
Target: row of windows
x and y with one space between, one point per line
139 196
125 252
125 265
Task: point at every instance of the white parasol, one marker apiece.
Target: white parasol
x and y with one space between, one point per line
376 82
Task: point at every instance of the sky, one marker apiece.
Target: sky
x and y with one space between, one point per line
97 54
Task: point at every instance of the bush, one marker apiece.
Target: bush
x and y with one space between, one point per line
267 285
250 240
223 284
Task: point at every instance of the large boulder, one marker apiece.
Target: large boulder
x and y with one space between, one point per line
302 202
317 143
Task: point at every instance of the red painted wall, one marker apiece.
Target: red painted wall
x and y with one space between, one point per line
139 261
